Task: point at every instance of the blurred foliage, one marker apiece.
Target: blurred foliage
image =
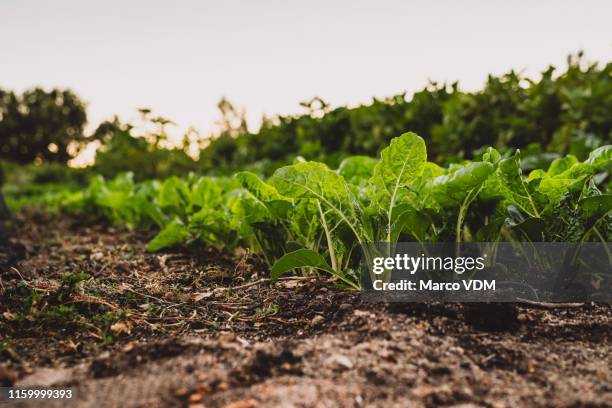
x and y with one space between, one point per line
560 113
40 126
31 184
567 112
147 156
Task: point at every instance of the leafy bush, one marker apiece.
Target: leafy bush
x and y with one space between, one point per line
40 126
146 160
562 112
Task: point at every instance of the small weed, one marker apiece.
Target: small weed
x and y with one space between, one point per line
267 310
71 283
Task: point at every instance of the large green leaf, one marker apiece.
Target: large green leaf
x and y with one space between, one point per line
206 193
310 180
533 229
514 188
571 179
357 169
491 155
299 259
600 157
406 218
306 258
113 199
305 223
558 166
212 225
430 172
266 194
395 176
451 190
596 207
401 164
173 233
123 182
174 193
259 188
251 210
148 210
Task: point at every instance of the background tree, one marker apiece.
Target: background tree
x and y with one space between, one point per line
41 126
147 155
223 149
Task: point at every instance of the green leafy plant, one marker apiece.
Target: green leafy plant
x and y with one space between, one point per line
311 218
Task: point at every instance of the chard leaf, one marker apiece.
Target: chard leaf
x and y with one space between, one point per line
260 189
266 194
431 171
537 174
299 259
174 193
558 166
451 190
532 228
305 223
357 169
514 188
491 155
250 209
459 189
310 180
401 165
305 258
112 199
173 233
406 218
147 208
596 207
600 157
205 193
491 188
572 179
123 182
212 225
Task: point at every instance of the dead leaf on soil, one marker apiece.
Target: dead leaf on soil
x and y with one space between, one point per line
339 361
128 347
290 284
317 320
196 297
121 328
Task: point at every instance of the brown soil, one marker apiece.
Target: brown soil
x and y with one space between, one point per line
199 327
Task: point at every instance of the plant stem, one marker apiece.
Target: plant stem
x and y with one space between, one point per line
330 246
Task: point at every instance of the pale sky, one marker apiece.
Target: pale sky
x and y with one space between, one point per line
179 58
